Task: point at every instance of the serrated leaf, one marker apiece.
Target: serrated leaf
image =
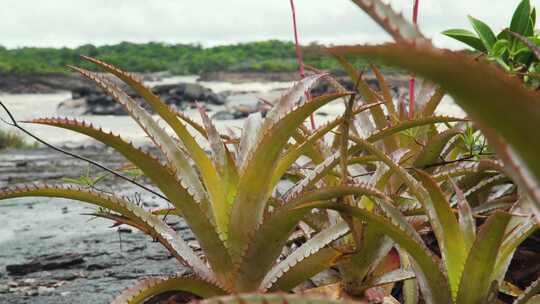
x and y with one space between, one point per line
228 175
385 91
164 178
147 288
248 208
163 141
475 282
168 237
489 100
202 161
433 102
394 24
467 223
280 298
433 282
430 153
371 97
266 242
306 261
446 229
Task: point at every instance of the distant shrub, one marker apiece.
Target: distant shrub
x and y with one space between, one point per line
12 140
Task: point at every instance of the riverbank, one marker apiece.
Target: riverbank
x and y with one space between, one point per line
57 254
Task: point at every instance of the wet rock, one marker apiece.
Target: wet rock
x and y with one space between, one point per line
124 230
89 100
46 262
188 92
224 115
241 111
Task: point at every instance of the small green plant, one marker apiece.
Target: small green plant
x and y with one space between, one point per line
512 47
12 140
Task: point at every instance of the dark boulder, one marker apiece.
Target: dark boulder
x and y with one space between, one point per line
87 100
188 92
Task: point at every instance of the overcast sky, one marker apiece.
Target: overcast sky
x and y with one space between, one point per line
71 23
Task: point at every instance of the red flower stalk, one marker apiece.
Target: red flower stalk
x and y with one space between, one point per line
299 55
412 80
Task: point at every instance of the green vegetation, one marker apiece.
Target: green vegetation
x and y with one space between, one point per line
265 56
12 140
513 48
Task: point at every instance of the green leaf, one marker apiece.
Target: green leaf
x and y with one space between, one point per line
531 44
306 261
497 102
208 172
484 32
152 224
224 163
466 37
475 283
467 223
514 238
248 209
302 148
431 152
147 288
432 281
164 178
394 24
371 97
521 17
500 48
279 298
446 228
175 156
433 102
265 244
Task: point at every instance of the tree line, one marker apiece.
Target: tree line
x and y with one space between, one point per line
263 56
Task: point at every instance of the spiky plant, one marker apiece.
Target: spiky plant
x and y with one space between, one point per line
243 225
495 103
227 198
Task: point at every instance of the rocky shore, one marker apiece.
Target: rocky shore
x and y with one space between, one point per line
52 252
90 100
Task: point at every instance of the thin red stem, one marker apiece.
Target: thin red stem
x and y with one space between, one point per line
299 55
412 81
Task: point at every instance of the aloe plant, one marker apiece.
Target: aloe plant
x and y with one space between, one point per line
472 92
361 200
226 198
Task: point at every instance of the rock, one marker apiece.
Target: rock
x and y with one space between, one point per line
223 115
241 111
46 262
42 84
93 101
243 77
188 92
44 290
124 230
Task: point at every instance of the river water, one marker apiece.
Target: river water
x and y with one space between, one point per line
31 106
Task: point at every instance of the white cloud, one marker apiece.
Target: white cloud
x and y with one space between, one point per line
75 22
